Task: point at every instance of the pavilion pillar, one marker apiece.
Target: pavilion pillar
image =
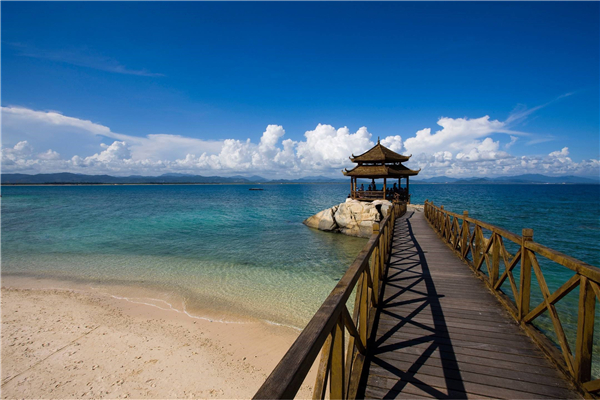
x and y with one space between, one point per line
407 192
384 187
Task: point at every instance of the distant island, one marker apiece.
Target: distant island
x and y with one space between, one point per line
67 178
522 179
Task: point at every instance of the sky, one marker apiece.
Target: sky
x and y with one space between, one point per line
292 89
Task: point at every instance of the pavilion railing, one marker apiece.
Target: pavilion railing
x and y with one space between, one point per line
376 195
342 337
465 236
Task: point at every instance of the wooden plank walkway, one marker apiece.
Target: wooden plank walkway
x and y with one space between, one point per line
440 333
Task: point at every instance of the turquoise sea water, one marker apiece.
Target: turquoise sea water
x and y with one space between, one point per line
223 248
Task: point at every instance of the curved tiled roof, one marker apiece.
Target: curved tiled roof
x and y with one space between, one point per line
379 154
381 171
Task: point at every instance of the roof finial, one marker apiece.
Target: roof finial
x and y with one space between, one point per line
377 139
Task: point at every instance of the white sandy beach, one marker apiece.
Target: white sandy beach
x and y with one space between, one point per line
77 343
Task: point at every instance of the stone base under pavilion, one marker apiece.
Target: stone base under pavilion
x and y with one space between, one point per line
353 217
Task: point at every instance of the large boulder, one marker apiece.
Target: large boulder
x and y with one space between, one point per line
384 206
323 220
353 218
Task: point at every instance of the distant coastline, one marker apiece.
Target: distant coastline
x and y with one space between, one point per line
70 179
283 183
171 184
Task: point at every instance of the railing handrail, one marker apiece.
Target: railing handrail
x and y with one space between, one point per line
288 375
490 252
563 259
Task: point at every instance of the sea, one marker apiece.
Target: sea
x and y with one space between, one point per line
224 252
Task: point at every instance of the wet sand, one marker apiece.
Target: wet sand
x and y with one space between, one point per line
62 342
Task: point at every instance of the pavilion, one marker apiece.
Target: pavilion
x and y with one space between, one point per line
379 163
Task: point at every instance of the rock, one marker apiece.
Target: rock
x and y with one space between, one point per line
353 218
323 220
385 206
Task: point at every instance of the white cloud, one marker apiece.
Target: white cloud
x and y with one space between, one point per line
270 137
20 151
485 150
458 134
49 127
24 116
49 155
521 112
393 143
513 140
81 58
115 152
463 147
326 148
561 155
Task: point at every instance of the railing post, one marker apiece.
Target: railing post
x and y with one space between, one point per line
381 246
465 236
442 222
477 245
337 387
363 313
495 258
585 331
525 281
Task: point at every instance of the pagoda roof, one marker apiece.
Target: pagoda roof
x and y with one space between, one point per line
379 154
380 171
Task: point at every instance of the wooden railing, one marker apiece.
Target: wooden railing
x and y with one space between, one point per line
341 363
377 195
467 239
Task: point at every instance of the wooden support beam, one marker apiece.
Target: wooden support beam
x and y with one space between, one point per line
464 246
497 239
561 292
525 281
585 331
323 371
337 388
558 329
352 331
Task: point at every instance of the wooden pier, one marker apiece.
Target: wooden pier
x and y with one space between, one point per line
442 334
432 318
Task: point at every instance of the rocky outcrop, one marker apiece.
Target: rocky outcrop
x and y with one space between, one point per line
353 218
323 220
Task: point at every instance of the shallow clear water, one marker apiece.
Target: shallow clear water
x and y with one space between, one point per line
224 248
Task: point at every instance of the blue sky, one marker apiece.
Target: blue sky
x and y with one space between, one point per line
181 87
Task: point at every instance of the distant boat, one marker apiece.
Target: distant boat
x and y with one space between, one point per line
255 189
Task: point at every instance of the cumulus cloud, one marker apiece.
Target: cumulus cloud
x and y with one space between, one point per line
326 147
457 134
49 155
484 150
393 143
561 155
462 147
12 155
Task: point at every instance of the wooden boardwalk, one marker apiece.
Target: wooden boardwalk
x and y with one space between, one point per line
440 332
